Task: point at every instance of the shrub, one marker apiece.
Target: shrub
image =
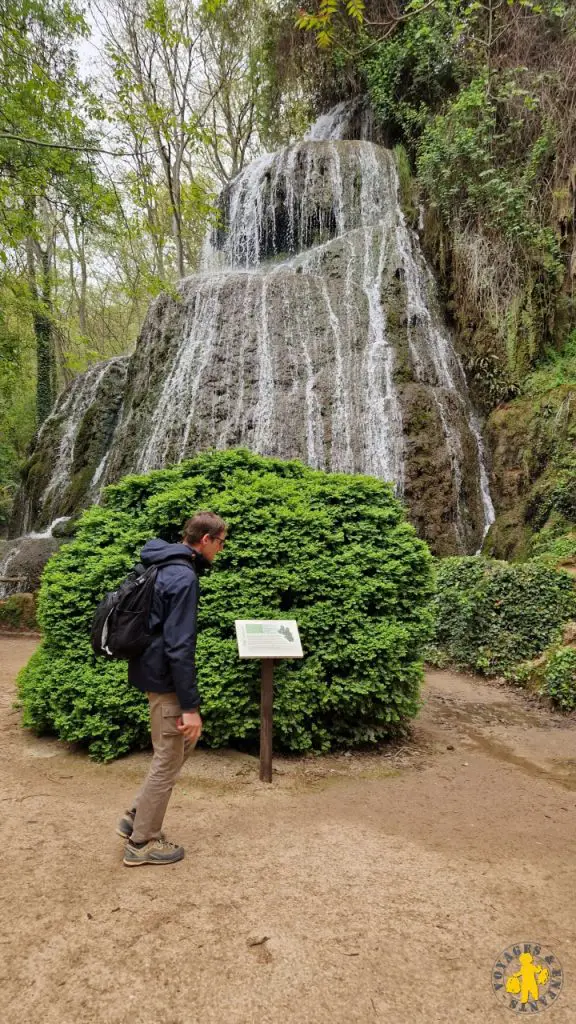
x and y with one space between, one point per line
491 615
18 612
330 550
560 678
551 549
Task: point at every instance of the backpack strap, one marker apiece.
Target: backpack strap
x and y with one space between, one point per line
187 562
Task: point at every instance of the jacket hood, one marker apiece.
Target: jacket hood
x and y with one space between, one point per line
157 550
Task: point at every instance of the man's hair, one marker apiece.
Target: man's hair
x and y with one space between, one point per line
200 524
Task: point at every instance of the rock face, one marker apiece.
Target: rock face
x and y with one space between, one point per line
70 446
23 562
313 333
533 444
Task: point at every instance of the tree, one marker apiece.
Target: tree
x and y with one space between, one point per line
229 85
153 53
45 154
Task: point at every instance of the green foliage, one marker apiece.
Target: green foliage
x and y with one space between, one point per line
18 612
490 378
552 675
480 93
557 371
464 165
41 98
411 74
330 550
554 497
17 418
550 507
534 440
491 615
553 549
559 682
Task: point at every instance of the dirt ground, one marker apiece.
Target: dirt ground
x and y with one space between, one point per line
353 890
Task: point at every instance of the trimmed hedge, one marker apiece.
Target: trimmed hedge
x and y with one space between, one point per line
491 615
332 551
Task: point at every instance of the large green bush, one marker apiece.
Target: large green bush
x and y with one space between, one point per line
491 615
330 550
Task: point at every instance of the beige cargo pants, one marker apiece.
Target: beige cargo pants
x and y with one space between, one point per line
170 751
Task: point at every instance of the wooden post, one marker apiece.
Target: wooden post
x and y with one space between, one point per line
267 695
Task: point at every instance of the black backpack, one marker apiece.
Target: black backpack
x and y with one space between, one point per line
120 627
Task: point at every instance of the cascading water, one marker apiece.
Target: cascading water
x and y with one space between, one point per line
72 441
70 413
7 587
312 332
330 125
351 119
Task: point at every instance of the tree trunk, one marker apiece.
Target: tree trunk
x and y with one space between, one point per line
81 248
43 328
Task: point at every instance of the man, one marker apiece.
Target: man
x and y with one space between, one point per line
166 672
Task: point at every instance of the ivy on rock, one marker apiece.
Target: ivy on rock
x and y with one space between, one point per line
491 615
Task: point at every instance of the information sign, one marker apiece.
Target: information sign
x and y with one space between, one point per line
268 638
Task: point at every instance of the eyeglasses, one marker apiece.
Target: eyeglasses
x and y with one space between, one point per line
221 540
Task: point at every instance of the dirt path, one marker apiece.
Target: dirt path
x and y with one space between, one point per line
384 886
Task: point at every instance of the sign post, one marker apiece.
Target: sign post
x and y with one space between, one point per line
267 639
266 704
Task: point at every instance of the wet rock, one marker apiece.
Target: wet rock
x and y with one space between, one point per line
70 445
322 339
24 562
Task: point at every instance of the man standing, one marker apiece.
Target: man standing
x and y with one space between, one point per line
166 672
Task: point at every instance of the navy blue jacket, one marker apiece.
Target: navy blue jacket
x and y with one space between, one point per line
168 663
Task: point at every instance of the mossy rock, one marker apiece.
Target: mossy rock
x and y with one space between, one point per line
533 481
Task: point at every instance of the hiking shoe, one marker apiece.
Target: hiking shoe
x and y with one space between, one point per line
156 851
125 825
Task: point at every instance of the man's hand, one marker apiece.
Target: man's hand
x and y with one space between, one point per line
191 725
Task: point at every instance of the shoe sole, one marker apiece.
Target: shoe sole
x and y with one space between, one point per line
156 863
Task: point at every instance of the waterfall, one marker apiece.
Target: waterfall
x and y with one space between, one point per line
289 201
69 414
350 119
313 332
49 531
25 559
432 346
174 413
11 555
330 125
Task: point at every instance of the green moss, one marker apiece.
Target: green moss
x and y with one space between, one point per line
533 442
77 490
408 185
508 537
